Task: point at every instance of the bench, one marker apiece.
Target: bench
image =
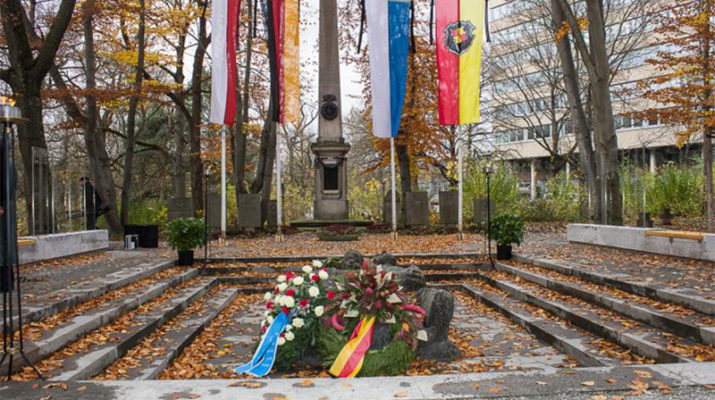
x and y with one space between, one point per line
26 242
677 235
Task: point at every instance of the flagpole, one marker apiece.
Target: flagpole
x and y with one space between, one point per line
223 182
393 197
279 188
460 151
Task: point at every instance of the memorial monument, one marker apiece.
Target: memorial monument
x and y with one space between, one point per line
331 177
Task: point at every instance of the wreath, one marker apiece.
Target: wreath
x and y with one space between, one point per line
363 295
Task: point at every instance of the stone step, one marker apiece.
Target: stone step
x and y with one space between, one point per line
182 334
50 304
97 357
685 297
643 340
569 340
638 311
90 320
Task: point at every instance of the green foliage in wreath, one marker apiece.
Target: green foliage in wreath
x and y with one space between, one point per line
293 351
393 359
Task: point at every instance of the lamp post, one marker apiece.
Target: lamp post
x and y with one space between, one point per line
207 173
488 170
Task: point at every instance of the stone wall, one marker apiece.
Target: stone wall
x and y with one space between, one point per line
57 245
635 239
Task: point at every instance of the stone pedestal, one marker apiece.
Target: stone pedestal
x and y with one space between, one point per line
331 178
179 208
416 208
480 211
449 207
249 210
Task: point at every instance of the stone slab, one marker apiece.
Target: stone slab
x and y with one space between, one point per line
47 247
631 238
417 209
249 210
449 207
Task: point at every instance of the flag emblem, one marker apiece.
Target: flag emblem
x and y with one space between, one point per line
459 36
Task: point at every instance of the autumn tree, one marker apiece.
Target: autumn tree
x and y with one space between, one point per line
684 89
29 63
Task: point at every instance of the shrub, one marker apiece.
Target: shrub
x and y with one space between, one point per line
186 234
504 188
507 229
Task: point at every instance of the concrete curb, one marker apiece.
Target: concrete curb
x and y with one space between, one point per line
86 291
678 326
590 323
683 297
187 335
451 256
540 327
88 322
90 364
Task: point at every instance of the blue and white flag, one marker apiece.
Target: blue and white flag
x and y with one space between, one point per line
388 25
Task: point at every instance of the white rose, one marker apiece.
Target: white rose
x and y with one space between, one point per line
298 281
313 291
281 278
282 287
323 275
267 313
268 296
289 336
319 311
269 319
281 341
289 328
307 269
317 264
298 322
279 299
289 301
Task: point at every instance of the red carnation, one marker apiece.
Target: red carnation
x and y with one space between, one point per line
368 291
365 265
269 305
277 289
286 311
303 303
378 305
346 295
314 278
290 292
263 328
330 295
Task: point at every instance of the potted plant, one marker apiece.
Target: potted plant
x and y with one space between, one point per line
506 230
184 235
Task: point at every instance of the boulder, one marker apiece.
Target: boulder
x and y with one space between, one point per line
385 259
410 278
381 336
439 305
352 260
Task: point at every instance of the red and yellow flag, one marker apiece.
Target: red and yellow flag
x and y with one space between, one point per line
286 22
349 361
460 27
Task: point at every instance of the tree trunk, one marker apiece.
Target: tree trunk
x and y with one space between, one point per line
403 159
709 131
98 157
578 115
604 127
131 120
197 198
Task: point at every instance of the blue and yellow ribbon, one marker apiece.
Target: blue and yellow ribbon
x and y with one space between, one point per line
262 361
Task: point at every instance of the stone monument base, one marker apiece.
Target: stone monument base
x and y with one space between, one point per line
326 209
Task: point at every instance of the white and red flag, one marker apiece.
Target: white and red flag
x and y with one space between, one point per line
224 28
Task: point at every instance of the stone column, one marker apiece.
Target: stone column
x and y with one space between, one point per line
653 165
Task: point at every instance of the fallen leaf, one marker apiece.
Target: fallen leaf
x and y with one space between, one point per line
710 387
617 398
598 397
48 397
569 372
82 388
589 383
306 383
495 390
347 385
643 374
611 380
400 394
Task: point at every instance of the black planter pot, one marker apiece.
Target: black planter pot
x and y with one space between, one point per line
186 258
504 252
